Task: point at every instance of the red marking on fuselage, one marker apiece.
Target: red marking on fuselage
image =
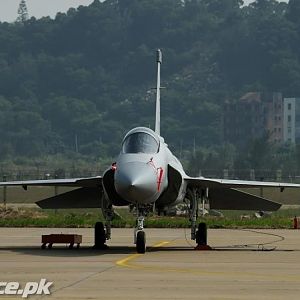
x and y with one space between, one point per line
160 173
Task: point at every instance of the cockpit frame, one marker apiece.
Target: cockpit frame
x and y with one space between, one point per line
140 142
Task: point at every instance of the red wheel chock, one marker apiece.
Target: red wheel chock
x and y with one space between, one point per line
202 247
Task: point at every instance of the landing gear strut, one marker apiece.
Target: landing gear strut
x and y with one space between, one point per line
199 235
103 233
194 212
139 234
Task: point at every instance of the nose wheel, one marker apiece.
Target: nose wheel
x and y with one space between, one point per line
141 242
139 234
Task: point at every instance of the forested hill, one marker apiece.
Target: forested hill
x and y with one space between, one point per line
87 75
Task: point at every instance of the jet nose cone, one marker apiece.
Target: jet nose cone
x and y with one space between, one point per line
136 182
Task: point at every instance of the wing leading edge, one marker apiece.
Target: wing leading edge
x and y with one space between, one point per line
223 193
226 183
70 182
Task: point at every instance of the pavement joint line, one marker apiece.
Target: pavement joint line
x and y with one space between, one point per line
78 281
127 262
245 275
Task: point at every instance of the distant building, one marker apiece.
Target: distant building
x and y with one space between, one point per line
256 115
273 105
297 120
289 120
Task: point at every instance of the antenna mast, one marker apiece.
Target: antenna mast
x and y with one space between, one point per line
157 114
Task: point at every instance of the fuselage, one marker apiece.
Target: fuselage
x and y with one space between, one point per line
141 173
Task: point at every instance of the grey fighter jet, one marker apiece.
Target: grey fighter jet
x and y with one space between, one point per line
146 175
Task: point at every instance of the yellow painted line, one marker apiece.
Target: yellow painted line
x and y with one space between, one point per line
125 261
160 244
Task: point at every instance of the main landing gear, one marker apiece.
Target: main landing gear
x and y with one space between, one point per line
100 237
198 233
103 233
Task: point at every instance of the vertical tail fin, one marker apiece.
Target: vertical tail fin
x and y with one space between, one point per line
157 114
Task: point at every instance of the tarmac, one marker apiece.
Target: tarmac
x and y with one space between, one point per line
261 264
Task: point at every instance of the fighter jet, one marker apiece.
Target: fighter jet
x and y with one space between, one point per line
146 175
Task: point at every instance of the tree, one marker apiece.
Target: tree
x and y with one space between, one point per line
22 12
293 11
89 73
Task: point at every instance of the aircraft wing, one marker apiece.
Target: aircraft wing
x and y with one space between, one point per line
227 183
72 182
87 195
224 195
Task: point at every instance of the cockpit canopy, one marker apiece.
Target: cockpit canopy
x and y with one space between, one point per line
140 142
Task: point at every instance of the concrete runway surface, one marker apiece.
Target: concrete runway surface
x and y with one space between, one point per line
171 269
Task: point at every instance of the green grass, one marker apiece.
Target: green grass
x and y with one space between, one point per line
50 218
87 218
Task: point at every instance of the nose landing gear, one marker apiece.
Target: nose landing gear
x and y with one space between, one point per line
141 242
139 234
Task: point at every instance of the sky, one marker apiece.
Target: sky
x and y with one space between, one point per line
41 8
37 8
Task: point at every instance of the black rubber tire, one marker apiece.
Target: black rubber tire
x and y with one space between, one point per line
201 234
100 238
141 242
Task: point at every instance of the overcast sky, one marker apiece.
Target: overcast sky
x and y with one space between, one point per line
40 8
37 8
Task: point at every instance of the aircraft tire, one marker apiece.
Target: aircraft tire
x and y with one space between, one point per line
100 238
141 242
201 234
